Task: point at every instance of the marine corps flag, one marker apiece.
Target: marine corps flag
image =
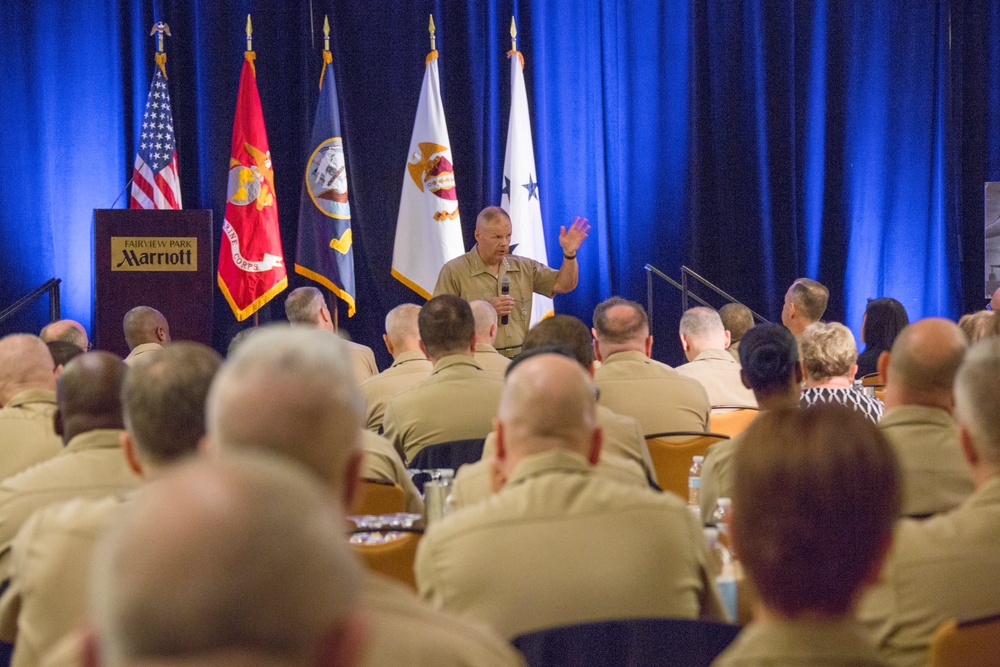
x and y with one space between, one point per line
519 195
325 253
428 230
251 264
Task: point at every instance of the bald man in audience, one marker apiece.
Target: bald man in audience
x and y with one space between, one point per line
559 544
704 340
409 366
288 392
69 331
486 333
91 465
146 330
737 319
805 303
27 404
624 454
305 306
188 577
919 377
459 399
163 406
632 383
948 566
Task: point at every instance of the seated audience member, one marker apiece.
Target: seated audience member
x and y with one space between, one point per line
771 369
459 399
805 303
813 508
62 352
27 404
948 566
828 361
884 319
409 366
919 376
146 330
305 306
91 465
624 454
558 543
633 384
189 576
382 463
486 334
705 340
69 331
163 406
737 319
288 391
978 325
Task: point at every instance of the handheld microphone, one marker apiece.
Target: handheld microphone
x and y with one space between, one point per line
505 291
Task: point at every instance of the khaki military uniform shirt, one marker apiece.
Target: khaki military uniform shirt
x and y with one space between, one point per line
655 394
935 476
49 573
561 545
800 644
91 466
490 360
940 568
720 376
717 475
467 276
407 369
139 350
382 462
27 434
406 631
734 351
362 361
457 402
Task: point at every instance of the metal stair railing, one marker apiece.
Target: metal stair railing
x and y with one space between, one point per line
51 286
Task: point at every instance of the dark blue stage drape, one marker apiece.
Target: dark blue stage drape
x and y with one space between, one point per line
754 140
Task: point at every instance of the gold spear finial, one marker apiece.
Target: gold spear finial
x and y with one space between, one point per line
249 34
326 33
159 29
513 35
432 30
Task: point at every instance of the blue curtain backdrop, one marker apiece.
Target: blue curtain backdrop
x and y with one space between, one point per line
754 140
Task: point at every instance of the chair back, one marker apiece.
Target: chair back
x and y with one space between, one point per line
452 455
962 643
634 642
392 558
731 423
875 382
379 497
671 454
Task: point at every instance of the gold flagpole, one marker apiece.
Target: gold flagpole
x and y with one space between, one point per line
431 29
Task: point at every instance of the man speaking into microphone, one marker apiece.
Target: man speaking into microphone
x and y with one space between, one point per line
490 273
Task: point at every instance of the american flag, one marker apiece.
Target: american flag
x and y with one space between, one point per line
155 183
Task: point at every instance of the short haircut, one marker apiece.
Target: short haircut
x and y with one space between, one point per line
490 215
926 356
446 325
68 331
140 325
701 321
564 331
62 351
485 316
977 397
303 305
163 400
25 363
810 297
768 354
238 339
978 325
401 323
242 555
828 350
737 319
815 494
884 319
627 329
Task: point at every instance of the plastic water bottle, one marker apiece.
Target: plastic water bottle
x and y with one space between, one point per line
721 516
694 482
723 568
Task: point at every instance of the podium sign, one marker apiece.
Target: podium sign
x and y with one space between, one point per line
161 259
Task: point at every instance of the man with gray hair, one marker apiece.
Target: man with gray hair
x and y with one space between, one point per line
288 391
305 306
27 404
486 334
188 577
737 319
146 330
805 303
704 340
948 566
919 376
69 331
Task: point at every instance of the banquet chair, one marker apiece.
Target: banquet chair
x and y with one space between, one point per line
392 558
962 643
672 452
379 497
731 423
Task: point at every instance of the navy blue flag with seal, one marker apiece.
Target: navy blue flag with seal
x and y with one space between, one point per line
325 250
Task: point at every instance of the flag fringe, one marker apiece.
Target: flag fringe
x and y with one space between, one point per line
326 282
412 285
257 303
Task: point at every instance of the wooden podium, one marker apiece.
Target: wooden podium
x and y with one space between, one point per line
161 259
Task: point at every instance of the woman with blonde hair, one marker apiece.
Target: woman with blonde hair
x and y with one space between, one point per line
829 363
